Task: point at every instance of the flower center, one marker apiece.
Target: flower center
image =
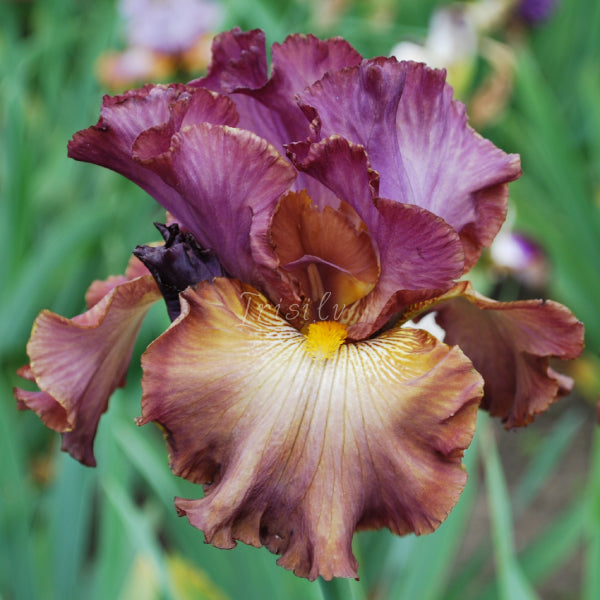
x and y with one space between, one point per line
328 252
324 338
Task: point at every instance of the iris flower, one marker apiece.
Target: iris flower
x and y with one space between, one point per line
314 216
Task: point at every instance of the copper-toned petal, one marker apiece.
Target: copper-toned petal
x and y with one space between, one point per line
78 363
420 254
510 344
295 452
329 251
53 415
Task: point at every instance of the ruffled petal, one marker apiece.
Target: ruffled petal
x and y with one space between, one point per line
153 112
229 181
101 287
78 363
303 59
420 254
297 453
269 108
418 140
297 63
53 415
239 60
510 344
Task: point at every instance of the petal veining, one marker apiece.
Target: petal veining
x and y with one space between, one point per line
228 180
297 453
420 254
269 108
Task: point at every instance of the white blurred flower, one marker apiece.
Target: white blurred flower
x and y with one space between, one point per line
451 43
429 324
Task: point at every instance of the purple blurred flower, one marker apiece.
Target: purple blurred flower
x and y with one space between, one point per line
169 26
520 256
164 37
534 12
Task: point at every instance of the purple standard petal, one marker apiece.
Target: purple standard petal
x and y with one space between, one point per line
298 63
228 180
270 108
150 115
239 60
418 140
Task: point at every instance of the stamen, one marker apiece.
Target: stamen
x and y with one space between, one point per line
324 338
317 290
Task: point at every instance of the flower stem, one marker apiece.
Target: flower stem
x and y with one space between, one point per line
341 589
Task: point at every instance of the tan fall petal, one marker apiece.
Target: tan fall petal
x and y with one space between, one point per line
78 363
297 453
102 287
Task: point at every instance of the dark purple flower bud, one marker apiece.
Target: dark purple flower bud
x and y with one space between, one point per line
178 264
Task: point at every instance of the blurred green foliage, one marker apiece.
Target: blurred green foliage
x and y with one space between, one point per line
69 532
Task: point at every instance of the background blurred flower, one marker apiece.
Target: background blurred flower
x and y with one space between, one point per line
534 12
451 43
163 37
460 35
516 254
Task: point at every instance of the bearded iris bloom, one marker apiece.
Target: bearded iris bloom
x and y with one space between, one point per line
311 215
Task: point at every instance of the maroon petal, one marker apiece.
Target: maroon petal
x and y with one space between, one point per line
53 415
298 63
510 344
152 114
239 60
228 181
270 109
78 363
303 59
420 254
418 140
296 453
